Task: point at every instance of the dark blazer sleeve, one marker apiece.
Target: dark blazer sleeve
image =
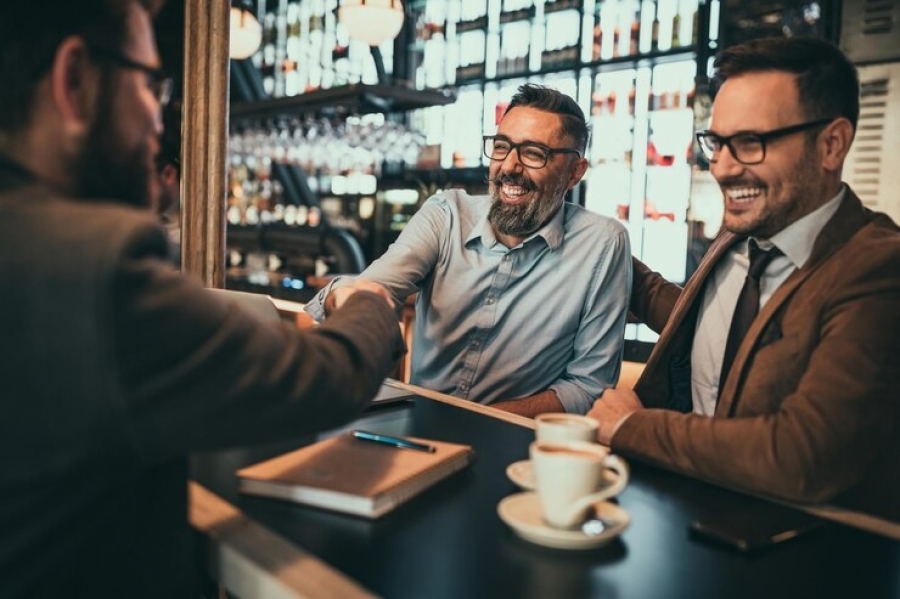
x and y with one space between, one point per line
652 297
196 371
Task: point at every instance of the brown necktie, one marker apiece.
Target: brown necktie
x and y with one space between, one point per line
747 306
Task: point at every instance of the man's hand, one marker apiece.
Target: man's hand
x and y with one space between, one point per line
339 295
612 409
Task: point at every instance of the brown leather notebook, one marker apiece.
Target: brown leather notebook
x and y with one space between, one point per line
349 475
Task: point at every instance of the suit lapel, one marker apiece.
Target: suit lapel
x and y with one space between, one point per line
655 382
849 218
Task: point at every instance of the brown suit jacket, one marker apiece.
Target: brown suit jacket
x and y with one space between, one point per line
810 410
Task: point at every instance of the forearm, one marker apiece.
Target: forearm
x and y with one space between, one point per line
531 406
198 372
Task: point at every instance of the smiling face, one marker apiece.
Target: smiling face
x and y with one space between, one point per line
762 199
524 199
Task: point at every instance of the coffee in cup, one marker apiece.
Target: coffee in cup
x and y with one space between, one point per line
558 426
571 476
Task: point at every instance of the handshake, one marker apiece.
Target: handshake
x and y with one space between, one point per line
339 295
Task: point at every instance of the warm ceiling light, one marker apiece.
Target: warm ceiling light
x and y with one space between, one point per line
372 21
246 33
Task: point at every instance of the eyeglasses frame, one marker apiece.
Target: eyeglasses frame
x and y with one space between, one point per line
160 77
764 138
515 146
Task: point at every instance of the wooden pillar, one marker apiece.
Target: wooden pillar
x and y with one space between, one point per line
204 139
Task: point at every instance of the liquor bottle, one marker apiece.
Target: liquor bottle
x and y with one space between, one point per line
634 38
676 30
268 59
645 17
654 36
280 49
694 24
293 32
616 36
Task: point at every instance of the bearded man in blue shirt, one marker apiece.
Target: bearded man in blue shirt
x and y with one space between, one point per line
522 295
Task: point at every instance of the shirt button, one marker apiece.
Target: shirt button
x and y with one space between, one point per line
490 301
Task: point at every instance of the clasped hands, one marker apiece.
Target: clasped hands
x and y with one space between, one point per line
612 409
338 296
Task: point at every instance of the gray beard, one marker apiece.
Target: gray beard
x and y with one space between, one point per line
521 220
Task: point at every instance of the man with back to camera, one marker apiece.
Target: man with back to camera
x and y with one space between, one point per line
114 366
522 295
808 409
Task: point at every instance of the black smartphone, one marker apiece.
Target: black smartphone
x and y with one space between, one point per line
755 528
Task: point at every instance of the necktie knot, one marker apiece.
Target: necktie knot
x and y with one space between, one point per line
760 258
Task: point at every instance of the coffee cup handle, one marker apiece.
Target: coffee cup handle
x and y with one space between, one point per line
617 465
620 467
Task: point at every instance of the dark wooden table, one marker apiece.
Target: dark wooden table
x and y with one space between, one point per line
450 543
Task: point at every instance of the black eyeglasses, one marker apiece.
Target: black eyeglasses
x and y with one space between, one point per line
749 148
160 83
531 154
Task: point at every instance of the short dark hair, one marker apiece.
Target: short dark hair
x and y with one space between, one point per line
30 34
548 99
827 82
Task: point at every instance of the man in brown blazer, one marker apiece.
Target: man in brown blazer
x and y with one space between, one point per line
808 410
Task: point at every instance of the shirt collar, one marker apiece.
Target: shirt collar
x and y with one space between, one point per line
796 240
552 232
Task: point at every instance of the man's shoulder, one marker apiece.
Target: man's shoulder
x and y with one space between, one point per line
880 235
578 218
48 205
466 210
459 200
82 224
868 259
878 241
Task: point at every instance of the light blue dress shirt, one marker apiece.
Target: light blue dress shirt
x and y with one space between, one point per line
496 323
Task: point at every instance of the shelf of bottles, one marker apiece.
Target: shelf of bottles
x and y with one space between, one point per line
344 159
304 48
631 65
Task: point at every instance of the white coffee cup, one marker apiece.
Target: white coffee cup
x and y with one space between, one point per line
571 476
558 426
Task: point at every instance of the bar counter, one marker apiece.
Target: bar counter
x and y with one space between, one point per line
450 542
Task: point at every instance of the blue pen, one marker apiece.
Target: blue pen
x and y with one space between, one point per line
392 441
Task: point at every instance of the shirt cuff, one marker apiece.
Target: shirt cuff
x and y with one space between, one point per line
316 306
573 398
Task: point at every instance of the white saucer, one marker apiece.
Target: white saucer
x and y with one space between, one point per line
522 473
522 512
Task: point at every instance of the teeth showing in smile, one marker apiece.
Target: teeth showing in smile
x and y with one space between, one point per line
513 191
743 194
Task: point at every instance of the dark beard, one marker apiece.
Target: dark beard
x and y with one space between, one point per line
521 220
103 171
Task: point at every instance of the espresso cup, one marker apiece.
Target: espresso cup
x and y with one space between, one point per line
557 426
571 476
